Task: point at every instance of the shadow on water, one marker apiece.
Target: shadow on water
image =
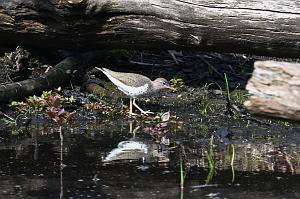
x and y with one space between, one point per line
130 159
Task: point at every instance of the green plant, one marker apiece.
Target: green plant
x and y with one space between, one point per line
228 98
177 82
58 115
240 96
14 123
103 108
232 162
211 163
35 104
205 105
227 88
181 175
278 122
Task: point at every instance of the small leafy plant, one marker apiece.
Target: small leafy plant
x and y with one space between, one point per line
177 82
58 115
35 104
50 102
100 107
14 123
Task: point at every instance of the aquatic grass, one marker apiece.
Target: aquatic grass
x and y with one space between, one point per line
211 144
181 193
181 179
211 163
240 96
228 98
181 175
227 88
232 162
231 156
205 106
182 166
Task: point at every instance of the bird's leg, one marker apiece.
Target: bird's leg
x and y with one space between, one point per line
130 107
142 111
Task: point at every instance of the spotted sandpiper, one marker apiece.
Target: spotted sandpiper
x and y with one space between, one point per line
136 85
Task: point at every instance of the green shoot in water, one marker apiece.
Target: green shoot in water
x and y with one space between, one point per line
211 165
227 88
181 175
211 162
228 104
232 163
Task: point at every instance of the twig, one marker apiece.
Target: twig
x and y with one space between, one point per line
8 117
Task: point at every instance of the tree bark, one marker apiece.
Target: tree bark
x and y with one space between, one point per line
269 27
56 77
275 89
59 75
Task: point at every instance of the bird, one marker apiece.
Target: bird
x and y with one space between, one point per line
135 86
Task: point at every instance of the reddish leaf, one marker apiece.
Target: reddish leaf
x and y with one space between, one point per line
52 112
61 112
54 100
69 115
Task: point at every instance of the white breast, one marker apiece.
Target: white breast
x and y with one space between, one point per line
134 91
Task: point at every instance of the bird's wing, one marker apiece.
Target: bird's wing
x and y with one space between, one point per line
130 79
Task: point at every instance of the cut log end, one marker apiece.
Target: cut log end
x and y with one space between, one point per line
275 89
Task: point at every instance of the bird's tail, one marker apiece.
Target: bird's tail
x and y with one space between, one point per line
101 69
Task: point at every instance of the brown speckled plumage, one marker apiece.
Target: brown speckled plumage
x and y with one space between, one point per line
130 79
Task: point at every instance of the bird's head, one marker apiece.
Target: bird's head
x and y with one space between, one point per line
162 83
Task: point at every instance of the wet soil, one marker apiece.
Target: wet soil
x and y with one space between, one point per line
114 156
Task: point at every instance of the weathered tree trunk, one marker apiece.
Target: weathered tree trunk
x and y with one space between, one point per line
269 27
59 75
276 90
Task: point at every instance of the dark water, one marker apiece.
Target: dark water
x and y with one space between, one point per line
103 159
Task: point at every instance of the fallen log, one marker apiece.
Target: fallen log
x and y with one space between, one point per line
270 27
57 76
275 89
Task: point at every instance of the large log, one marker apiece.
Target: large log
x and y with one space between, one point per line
269 27
59 75
275 89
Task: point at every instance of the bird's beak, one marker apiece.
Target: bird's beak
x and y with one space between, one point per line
171 88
